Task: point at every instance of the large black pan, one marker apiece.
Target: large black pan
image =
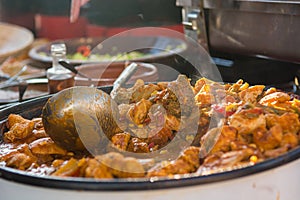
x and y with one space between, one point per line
33 108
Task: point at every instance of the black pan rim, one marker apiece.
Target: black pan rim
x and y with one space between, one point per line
88 184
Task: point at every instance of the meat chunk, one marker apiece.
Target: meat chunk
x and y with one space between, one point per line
204 99
139 111
124 95
289 122
178 98
121 140
187 162
160 137
275 97
138 146
68 168
144 92
172 122
200 83
220 162
46 146
20 161
247 120
96 169
228 135
290 140
19 158
268 139
36 134
251 94
19 128
120 166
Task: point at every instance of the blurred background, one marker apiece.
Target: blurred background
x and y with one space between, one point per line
50 19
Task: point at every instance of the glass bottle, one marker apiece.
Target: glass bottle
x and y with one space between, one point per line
59 78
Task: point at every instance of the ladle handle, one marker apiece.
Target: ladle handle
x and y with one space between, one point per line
125 75
72 69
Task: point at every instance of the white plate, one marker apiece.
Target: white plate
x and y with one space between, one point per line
13 39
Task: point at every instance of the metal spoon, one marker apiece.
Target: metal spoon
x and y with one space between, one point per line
82 118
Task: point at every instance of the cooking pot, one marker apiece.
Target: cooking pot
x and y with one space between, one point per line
105 74
274 179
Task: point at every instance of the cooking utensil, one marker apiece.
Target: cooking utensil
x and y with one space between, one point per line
73 69
79 118
13 78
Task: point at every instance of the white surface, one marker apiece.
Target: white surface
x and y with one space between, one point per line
281 183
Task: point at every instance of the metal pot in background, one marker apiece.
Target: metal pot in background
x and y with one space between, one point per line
259 28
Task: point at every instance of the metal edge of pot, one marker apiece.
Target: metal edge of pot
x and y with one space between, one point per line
32 108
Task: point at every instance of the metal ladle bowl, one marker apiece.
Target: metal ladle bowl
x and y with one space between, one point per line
83 118
80 118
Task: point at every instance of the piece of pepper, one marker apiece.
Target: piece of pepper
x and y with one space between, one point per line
85 50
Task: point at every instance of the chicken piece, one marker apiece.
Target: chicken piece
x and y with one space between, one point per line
268 139
57 163
121 140
144 92
38 123
228 135
169 101
210 94
120 166
171 168
240 145
140 131
68 168
222 161
160 137
8 150
138 146
139 111
46 146
270 91
276 152
200 83
191 156
19 128
187 162
251 94
231 98
36 134
247 120
124 95
237 86
273 98
204 99
19 157
289 122
15 119
290 140
178 98
172 122
20 161
96 169
132 168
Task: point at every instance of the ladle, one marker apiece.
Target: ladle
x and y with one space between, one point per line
72 69
75 117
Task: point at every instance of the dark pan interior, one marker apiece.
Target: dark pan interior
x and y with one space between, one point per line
32 108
